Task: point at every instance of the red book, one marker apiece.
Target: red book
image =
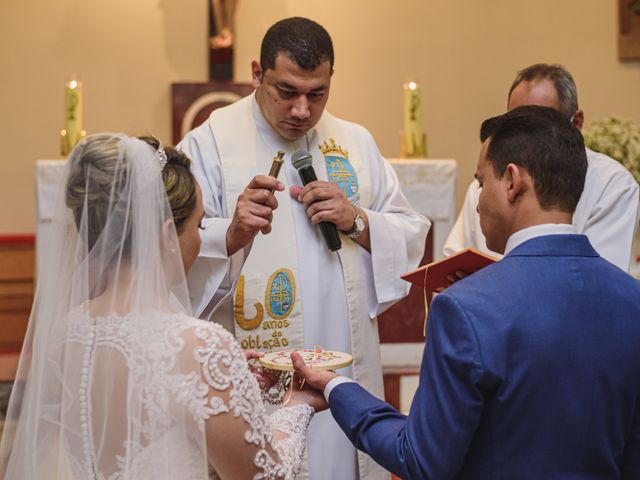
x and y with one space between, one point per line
434 275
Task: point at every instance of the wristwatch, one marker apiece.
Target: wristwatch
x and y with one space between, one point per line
358 225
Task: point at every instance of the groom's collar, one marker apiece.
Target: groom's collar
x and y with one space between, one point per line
528 233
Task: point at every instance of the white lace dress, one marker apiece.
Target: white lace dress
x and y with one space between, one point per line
164 368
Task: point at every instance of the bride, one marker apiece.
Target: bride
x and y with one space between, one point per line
116 379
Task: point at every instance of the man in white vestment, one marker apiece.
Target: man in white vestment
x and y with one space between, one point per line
291 291
607 212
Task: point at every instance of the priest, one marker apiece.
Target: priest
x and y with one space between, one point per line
609 206
264 243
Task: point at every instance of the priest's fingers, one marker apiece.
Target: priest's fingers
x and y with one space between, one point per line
252 217
248 219
266 230
326 202
341 217
259 196
340 212
320 191
266 182
320 206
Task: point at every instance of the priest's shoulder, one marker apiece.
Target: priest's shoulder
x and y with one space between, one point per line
605 168
355 128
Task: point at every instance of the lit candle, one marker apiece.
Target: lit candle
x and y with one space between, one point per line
412 124
73 112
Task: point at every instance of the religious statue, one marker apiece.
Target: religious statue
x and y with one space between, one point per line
222 13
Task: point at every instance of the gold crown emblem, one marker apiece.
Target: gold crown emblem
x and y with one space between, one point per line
331 147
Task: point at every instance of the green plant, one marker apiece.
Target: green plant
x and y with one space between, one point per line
618 138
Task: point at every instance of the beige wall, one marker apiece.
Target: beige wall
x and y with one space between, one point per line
126 52
465 55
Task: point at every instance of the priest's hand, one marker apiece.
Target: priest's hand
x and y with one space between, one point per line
326 202
317 379
253 213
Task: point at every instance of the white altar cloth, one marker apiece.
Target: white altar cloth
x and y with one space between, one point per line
429 184
430 187
48 177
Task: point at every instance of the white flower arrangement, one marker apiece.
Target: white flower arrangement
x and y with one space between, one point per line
618 138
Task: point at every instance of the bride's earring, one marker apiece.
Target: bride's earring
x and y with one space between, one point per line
169 237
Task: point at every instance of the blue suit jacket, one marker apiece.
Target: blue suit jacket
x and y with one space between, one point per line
531 370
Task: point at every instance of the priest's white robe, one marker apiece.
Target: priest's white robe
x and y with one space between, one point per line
607 213
397 235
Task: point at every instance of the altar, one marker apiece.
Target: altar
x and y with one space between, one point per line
429 185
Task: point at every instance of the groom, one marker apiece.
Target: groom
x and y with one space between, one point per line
531 367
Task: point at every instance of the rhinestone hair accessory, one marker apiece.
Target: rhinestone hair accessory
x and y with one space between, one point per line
162 156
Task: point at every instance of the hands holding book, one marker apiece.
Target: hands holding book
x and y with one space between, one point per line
438 275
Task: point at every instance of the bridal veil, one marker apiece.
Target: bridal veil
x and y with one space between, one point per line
90 393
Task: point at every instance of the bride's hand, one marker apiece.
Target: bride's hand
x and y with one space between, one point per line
266 377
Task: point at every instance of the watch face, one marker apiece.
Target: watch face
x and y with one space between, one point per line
358 226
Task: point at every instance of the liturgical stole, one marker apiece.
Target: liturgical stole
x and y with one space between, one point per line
267 305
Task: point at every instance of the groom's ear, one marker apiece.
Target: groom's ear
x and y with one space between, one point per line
169 238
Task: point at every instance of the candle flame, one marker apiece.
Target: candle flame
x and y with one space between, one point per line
413 85
73 84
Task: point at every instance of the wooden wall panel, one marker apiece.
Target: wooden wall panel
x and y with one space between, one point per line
404 321
628 32
17 280
192 103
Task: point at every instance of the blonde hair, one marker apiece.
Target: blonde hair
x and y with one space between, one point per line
179 182
100 155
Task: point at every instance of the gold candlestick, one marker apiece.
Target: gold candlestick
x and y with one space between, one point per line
72 132
414 140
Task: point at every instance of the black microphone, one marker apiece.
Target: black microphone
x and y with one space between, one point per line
302 161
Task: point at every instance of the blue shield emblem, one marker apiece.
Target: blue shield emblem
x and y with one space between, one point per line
341 172
280 294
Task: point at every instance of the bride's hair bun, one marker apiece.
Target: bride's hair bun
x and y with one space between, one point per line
95 177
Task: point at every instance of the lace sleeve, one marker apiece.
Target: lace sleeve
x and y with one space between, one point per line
289 427
243 441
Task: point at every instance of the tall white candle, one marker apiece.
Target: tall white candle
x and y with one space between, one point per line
412 123
73 111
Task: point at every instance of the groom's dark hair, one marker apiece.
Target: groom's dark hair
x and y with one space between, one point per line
547 146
